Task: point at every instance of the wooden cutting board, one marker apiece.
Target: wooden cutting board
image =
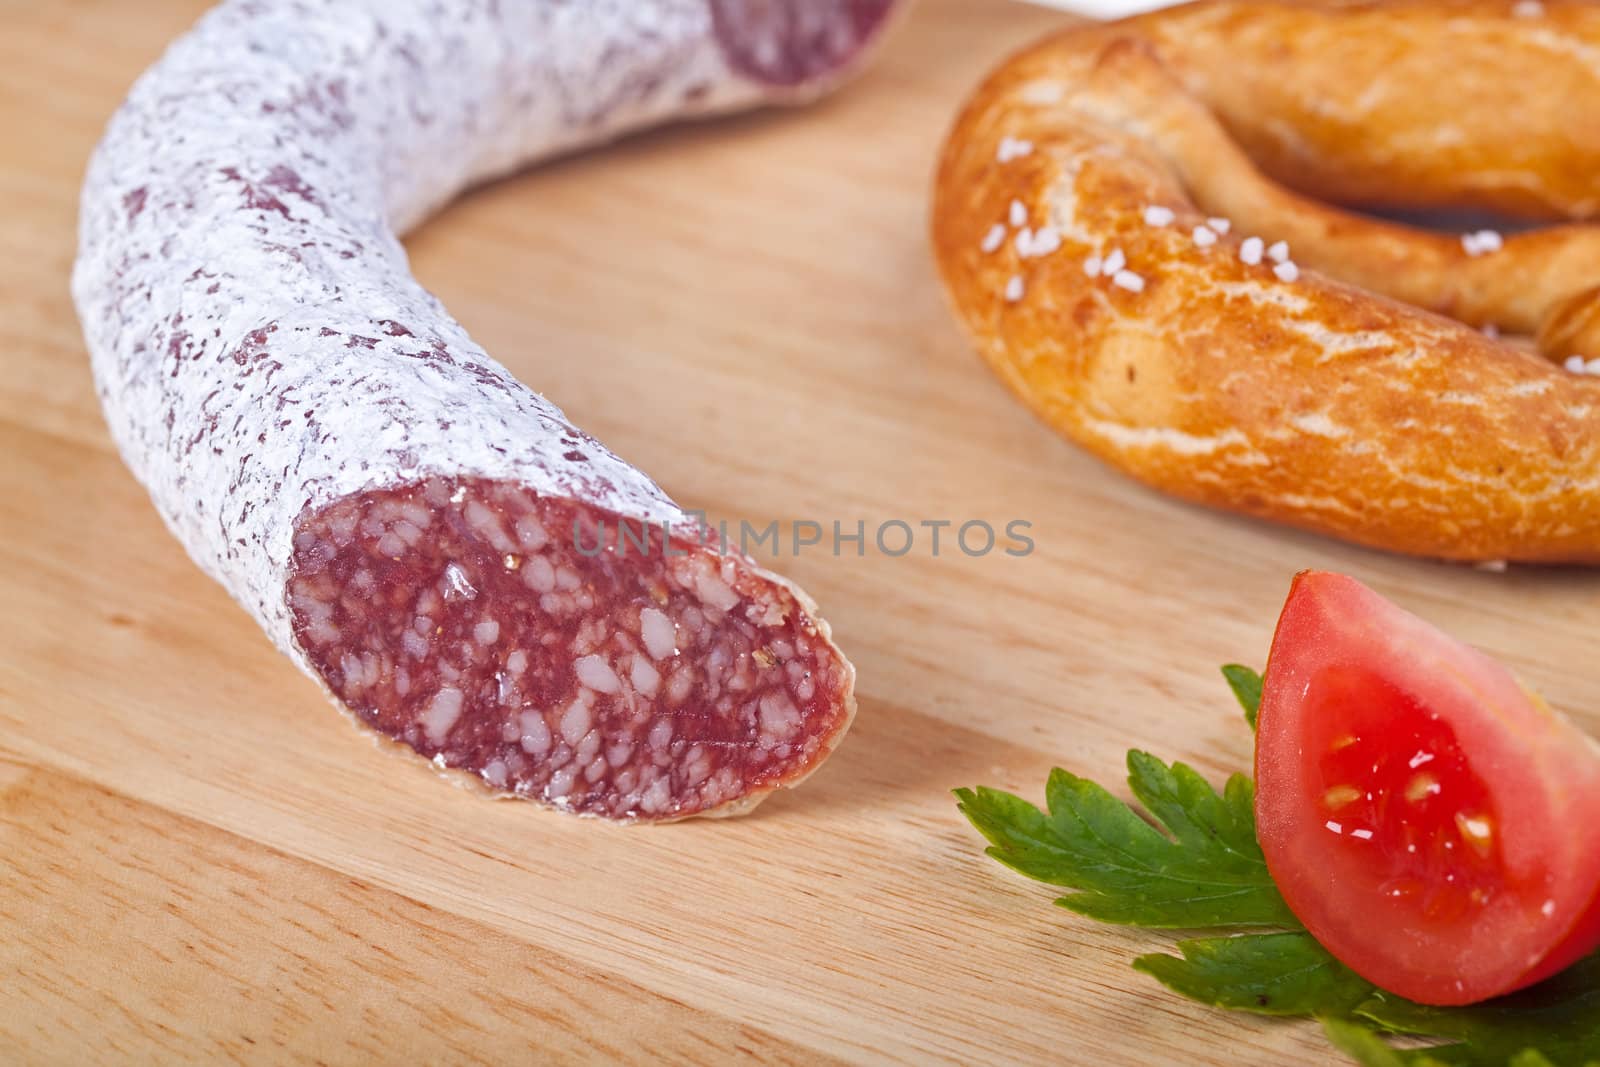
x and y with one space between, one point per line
201 860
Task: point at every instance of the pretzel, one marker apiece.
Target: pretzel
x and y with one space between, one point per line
1125 220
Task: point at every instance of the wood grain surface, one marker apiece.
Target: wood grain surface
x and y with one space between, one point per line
201 861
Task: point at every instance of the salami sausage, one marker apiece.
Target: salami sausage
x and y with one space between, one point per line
462 570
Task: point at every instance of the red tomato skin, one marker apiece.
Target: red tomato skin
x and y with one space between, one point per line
1584 939
1541 772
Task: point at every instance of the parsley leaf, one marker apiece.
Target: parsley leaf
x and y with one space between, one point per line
1190 858
1209 872
1270 974
1560 1018
1364 1045
1246 686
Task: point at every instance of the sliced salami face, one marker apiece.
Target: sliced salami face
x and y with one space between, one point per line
461 568
563 652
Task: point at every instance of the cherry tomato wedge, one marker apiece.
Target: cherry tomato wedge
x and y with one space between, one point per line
1434 825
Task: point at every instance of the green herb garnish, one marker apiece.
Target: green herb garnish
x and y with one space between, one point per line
1190 858
1246 686
1208 872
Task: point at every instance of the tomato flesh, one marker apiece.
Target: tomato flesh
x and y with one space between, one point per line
1434 825
1397 791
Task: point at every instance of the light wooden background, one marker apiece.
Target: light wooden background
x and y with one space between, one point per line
200 860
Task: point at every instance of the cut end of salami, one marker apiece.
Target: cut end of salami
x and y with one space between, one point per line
796 42
562 653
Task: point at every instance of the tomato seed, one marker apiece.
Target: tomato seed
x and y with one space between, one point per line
1421 787
1340 795
1477 831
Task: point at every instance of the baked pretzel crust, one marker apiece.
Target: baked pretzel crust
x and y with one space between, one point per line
1354 392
